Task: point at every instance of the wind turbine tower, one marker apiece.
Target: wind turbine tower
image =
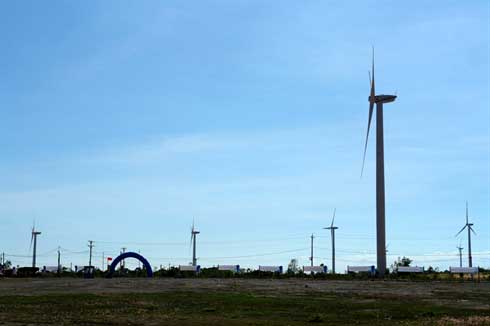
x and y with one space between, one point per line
194 232
379 100
332 229
34 235
469 226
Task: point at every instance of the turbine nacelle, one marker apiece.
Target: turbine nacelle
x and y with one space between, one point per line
34 234
193 230
382 98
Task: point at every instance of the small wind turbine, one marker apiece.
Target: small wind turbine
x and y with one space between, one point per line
194 232
460 254
470 228
34 235
332 229
379 100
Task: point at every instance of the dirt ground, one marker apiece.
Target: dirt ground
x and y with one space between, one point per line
192 301
39 286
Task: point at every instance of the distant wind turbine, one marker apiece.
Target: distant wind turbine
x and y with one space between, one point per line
194 232
469 226
332 229
460 254
34 235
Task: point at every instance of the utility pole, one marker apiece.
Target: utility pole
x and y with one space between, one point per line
59 261
90 245
311 257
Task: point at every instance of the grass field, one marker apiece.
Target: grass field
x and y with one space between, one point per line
241 302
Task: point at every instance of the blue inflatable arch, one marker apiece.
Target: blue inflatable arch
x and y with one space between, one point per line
146 264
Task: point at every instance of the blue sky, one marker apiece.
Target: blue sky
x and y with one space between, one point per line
122 121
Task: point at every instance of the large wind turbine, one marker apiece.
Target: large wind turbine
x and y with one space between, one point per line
379 100
194 232
470 228
332 229
34 235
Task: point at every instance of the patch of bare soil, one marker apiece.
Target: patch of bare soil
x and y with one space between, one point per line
474 320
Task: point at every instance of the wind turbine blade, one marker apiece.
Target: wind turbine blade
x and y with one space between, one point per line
466 212
192 235
464 227
32 232
472 230
333 218
373 91
371 108
373 66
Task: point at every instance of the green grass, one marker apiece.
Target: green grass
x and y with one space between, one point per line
227 308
